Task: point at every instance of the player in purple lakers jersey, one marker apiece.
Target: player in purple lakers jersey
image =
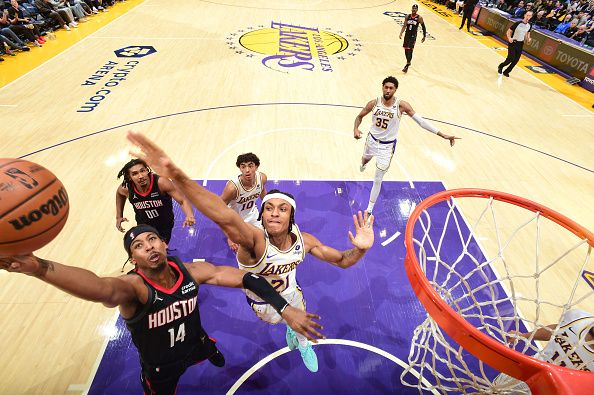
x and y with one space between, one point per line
158 301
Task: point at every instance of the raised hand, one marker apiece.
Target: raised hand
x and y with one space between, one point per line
303 323
189 221
152 154
119 223
364 235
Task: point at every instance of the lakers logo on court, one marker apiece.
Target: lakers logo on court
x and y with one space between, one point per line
289 47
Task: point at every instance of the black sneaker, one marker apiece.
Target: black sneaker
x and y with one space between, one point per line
217 359
499 70
506 74
24 48
405 69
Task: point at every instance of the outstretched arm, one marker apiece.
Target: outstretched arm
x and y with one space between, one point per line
542 334
121 195
111 291
366 110
205 201
167 186
406 108
264 179
363 240
227 276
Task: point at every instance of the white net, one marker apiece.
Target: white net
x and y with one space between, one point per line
515 275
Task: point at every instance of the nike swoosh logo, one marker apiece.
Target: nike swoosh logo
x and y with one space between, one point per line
270 256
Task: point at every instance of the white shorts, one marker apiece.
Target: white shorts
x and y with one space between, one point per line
383 152
267 313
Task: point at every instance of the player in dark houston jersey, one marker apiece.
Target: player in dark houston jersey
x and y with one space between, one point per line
410 27
158 301
150 196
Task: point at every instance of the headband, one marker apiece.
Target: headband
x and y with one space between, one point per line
134 232
282 196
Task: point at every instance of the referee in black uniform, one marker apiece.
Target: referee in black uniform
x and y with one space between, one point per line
516 34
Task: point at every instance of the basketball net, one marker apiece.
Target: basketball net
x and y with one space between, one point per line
503 265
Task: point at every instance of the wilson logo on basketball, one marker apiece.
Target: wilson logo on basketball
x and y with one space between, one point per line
54 206
288 47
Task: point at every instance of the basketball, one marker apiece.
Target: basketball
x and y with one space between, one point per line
33 206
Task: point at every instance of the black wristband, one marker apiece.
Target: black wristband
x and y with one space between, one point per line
260 287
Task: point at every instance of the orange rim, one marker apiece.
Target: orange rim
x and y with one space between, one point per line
542 377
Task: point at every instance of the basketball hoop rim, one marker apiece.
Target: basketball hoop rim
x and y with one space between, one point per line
482 346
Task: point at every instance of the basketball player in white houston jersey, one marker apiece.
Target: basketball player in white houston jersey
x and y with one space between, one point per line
381 140
241 193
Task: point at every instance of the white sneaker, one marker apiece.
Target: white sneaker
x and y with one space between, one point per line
66 27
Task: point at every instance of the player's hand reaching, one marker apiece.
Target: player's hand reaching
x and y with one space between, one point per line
189 221
152 154
119 223
358 134
364 236
27 264
302 322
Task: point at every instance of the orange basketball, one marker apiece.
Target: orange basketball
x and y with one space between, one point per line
33 206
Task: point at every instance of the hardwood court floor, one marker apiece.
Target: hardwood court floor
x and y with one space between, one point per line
207 98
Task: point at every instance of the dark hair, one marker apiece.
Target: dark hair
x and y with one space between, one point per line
291 219
124 172
390 79
246 158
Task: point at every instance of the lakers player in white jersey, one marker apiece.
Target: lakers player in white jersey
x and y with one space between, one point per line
241 193
570 344
274 251
381 140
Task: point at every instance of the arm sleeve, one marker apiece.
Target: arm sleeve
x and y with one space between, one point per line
424 123
424 29
260 287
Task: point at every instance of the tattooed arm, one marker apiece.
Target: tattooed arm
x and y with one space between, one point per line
363 240
111 291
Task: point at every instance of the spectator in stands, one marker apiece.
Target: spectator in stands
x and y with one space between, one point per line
501 5
580 35
61 5
563 26
7 44
540 20
77 9
572 28
582 17
11 32
23 25
48 10
518 12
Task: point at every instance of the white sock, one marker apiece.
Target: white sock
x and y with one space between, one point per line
375 189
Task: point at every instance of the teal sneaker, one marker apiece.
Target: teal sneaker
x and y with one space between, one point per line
309 357
362 168
291 339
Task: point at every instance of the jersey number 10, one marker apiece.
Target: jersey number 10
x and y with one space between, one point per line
247 205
